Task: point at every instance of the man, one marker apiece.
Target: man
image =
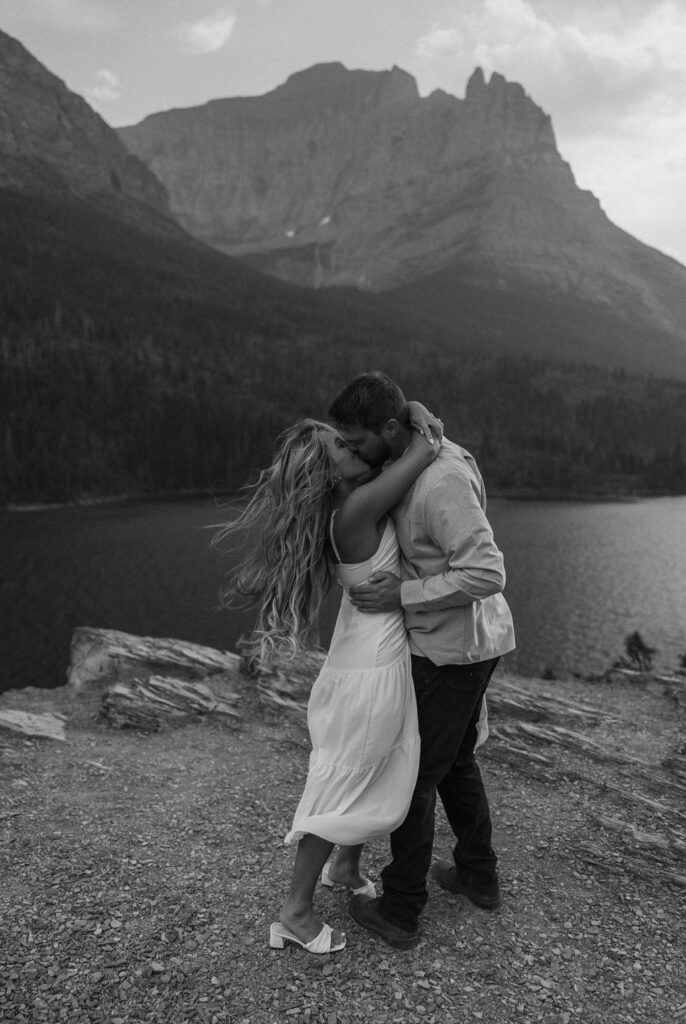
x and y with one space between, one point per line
459 625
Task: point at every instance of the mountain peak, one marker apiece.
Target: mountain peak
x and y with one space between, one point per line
476 84
395 84
324 75
515 123
496 88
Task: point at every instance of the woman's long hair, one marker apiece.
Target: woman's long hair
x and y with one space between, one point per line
289 567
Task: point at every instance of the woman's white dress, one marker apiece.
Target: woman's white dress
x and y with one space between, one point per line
362 717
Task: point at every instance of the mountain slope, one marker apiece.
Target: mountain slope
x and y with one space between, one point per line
52 142
349 177
131 363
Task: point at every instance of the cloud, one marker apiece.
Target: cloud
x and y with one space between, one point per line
608 64
106 89
440 41
210 34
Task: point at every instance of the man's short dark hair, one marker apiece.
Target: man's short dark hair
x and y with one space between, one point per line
369 401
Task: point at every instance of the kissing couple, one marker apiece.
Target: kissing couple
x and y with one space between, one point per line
395 513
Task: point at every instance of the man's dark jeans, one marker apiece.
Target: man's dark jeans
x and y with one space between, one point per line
448 703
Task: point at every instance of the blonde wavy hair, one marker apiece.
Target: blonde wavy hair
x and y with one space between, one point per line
289 566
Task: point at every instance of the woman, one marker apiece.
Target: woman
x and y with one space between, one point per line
318 516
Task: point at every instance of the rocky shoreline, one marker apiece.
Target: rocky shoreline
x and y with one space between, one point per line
141 869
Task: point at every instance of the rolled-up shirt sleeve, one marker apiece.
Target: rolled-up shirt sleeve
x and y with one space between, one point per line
473 568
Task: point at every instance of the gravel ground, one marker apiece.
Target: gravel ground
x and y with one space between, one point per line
140 875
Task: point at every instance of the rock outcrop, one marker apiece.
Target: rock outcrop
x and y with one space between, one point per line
52 142
345 177
535 732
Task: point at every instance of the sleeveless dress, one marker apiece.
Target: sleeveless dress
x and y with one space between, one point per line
362 718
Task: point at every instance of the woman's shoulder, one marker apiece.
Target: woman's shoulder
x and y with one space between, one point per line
350 532
386 539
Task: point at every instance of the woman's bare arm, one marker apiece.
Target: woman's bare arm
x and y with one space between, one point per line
356 524
425 422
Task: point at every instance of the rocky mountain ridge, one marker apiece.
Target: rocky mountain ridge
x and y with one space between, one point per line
351 163
344 177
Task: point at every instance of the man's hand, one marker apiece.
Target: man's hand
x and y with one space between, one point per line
381 593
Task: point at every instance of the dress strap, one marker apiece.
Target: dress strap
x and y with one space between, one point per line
333 542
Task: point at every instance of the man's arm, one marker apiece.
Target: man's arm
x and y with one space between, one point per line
457 525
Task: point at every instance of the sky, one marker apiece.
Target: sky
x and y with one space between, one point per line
610 73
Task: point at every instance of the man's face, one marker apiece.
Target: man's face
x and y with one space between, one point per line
372 448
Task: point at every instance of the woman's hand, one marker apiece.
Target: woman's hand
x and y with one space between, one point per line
425 423
420 448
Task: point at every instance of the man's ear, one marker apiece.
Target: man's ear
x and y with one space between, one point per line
390 429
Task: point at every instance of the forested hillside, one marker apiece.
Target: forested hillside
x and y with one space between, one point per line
135 364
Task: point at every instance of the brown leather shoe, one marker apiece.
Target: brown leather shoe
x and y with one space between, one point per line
446 873
366 912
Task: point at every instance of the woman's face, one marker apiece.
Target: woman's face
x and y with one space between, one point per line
345 463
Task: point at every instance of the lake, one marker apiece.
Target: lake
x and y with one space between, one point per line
581 576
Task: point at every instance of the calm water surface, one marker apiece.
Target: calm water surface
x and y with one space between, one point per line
580 578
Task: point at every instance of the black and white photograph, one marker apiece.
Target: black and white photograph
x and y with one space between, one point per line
342 512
